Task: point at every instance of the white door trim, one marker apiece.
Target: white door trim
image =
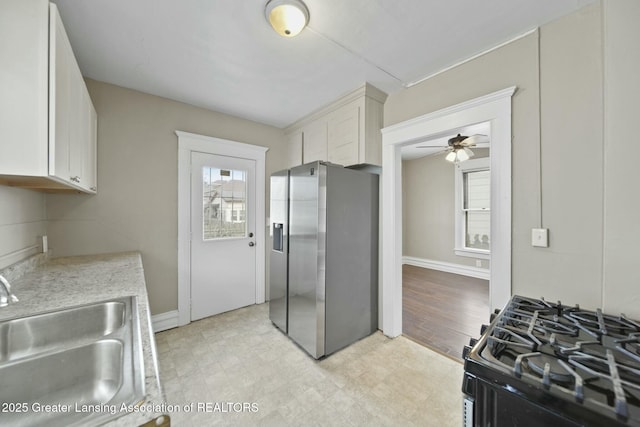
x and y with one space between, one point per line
188 142
495 108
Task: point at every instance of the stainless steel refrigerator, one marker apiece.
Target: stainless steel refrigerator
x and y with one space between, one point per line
324 259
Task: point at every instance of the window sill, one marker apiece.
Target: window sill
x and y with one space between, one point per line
473 253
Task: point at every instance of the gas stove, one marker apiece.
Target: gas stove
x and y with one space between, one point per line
542 363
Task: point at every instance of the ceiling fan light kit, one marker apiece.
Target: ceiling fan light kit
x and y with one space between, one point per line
452 156
287 17
457 149
459 155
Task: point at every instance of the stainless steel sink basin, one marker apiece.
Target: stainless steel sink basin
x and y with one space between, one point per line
85 362
34 334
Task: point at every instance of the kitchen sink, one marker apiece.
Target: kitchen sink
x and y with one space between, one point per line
75 366
34 334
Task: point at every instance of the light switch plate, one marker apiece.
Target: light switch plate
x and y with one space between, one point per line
540 237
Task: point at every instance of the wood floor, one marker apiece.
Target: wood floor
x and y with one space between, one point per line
443 310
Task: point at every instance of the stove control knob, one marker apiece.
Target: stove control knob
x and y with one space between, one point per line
483 329
472 342
494 314
465 351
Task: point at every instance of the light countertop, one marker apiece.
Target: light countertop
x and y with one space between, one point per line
44 284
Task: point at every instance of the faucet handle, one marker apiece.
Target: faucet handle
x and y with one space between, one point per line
9 297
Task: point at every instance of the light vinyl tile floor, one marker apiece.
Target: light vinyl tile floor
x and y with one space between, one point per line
222 362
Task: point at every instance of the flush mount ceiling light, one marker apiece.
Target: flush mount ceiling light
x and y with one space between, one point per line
287 17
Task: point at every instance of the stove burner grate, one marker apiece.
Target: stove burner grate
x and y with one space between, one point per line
609 370
548 367
630 346
602 324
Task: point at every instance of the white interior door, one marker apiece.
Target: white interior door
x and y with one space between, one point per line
223 254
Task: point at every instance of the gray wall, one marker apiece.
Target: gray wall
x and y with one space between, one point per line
555 113
621 292
136 205
22 220
428 209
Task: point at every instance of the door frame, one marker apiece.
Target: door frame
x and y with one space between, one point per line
188 142
494 108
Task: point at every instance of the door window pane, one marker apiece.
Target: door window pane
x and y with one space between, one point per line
224 203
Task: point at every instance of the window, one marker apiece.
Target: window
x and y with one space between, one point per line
224 203
473 208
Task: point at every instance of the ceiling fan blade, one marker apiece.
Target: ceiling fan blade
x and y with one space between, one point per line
474 140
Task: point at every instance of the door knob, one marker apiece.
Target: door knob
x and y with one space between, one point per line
251 244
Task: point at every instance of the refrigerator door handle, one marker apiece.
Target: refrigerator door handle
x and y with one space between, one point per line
278 234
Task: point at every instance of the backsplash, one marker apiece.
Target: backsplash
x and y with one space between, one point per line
20 268
22 220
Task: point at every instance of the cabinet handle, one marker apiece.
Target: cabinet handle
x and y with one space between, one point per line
93 189
75 179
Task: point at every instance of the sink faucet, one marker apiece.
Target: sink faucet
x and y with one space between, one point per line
7 297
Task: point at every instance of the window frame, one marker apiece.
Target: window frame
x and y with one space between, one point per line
460 248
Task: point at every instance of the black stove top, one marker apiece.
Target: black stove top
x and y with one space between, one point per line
575 362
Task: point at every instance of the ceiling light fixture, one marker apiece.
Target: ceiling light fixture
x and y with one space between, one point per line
287 17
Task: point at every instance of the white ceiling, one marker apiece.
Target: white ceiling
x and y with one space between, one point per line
224 56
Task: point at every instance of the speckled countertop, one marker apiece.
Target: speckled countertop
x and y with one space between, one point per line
44 284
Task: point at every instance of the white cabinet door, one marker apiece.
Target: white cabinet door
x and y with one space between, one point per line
344 135
89 166
72 118
24 50
78 116
61 100
294 149
314 142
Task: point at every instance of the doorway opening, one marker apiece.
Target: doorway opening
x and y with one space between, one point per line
494 109
446 239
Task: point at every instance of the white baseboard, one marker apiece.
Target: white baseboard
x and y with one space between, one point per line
464 270
164 321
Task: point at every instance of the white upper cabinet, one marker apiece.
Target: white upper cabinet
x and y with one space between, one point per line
72 136
343 127
314 142
294 149
346 132
48 134
24 82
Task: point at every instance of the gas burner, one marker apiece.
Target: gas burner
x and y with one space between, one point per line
602 324
549 366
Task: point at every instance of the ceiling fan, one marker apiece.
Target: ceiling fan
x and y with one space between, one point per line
458 149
